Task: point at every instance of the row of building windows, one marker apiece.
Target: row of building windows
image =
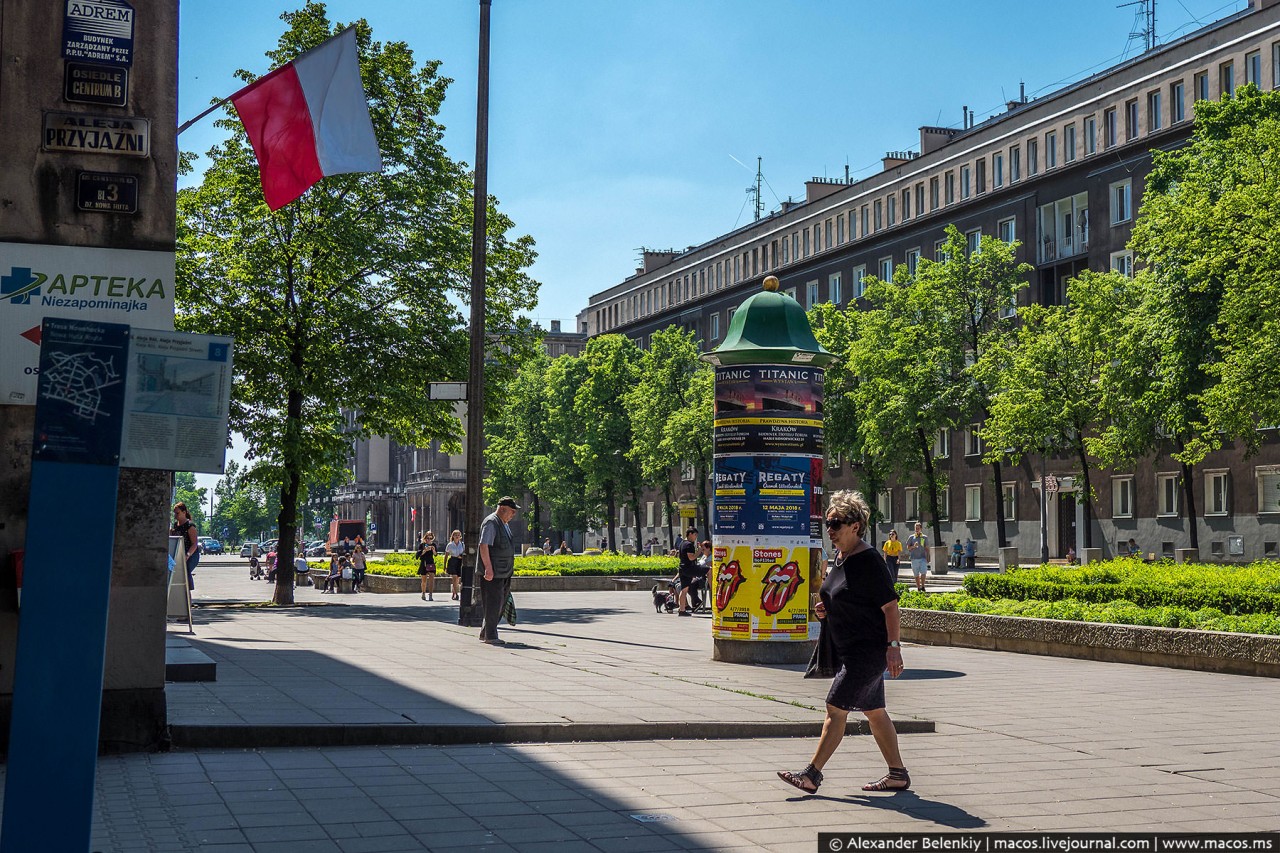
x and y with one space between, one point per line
1168 493
1084 136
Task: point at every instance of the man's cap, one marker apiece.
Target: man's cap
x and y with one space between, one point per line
508 502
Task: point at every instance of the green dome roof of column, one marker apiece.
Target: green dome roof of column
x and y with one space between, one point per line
770 328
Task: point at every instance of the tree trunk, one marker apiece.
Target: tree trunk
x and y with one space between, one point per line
537 523
703 507
611 508
1188 489
931 483
666 497
287 521
996 475
635 506
1088 493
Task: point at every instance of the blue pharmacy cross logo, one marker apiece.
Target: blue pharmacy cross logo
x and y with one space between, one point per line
20 285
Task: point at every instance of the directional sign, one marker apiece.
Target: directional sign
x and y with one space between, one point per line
98 31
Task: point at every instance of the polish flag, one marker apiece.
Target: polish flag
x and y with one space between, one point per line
308 120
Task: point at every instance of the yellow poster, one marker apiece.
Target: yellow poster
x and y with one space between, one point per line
761 589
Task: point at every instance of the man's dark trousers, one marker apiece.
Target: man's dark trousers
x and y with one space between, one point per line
493 595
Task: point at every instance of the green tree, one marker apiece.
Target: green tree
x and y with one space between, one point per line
561 481
1197 365
346 299
1048 390
600 450
845 428
1206 236
671 408
196 499
517 447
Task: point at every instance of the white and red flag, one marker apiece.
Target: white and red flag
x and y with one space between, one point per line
308 120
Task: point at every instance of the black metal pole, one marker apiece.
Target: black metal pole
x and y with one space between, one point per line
467 608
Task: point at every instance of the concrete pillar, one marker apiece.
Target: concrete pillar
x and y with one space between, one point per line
938 557
1090 555
38 192
1185 555
1008 559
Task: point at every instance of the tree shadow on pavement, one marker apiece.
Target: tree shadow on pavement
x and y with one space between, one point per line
355 608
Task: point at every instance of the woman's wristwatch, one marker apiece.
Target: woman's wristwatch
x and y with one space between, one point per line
895 644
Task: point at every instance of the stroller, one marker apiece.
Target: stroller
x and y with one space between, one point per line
666 595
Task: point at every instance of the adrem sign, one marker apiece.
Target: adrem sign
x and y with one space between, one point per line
107 285
98 31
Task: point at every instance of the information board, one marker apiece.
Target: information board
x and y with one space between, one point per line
177 402
80 409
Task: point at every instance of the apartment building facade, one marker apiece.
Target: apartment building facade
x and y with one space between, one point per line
1062 175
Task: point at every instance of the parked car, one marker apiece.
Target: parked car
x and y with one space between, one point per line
270 545
209 545
247 549
316 548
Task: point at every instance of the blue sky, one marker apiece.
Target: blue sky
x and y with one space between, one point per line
615 124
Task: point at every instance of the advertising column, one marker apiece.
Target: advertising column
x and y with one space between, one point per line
766 524
767 512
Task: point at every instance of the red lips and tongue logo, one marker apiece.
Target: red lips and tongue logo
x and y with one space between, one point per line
728 579
780 585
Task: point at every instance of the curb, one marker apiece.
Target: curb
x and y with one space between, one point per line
255 736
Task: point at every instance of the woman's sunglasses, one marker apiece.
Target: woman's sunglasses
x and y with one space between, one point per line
834 524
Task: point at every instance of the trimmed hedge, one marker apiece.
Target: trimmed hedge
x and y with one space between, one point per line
406 565
1236 590
1113 612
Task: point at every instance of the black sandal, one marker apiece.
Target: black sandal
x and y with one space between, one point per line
809 774
889 780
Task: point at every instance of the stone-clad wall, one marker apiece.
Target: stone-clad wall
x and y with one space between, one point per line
1207 651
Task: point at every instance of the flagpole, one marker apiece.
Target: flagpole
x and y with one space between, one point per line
190 122
467 612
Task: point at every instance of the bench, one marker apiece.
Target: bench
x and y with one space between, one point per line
625 583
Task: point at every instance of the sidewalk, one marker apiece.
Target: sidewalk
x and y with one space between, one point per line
1022 743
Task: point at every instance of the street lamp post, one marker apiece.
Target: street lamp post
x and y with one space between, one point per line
467 612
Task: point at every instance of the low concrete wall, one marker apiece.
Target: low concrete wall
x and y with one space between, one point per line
567 583
1207 651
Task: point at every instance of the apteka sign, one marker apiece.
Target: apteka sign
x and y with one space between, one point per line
98 31
108 285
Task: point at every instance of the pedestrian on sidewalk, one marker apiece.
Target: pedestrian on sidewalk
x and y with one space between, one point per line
892 548
359 565
427 565
688 569
970 554
453 550
859 609
918 552
183 526
498 561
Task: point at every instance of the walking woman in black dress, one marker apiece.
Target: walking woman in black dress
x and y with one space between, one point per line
860 611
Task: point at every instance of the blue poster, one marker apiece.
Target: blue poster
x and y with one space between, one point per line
80 397
766 495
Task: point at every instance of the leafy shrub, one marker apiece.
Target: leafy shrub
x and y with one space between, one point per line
1113 612
406 565
1234 590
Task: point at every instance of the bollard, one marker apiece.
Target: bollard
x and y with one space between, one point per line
1090 555
1008 559
1185 555
939 558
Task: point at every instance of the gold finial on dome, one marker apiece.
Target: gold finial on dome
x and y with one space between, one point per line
771 283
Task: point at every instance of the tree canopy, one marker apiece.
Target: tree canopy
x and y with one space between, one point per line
346 302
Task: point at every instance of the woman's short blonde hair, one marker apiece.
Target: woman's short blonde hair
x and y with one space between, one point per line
851 506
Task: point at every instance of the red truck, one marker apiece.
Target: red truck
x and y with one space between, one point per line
345 529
